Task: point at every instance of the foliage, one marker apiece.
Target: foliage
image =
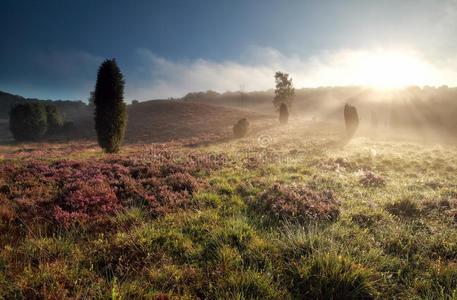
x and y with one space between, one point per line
283 114
330 276
296 202
284 92
403 208
351 119
28 121
110 109
241 128
54 119
172 221
371 179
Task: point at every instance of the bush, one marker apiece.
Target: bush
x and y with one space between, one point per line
351 119
283 113
110 110
403 208
370 179
296 202
241 128
328 276
54 119
28 121
68 126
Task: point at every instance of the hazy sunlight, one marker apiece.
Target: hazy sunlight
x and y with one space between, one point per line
391 70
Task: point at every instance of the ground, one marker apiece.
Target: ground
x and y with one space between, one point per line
288 212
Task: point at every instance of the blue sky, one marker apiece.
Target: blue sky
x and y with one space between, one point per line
51 49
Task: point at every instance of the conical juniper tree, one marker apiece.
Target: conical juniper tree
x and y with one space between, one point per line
110 109
351 119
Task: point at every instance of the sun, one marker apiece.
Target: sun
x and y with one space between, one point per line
391 69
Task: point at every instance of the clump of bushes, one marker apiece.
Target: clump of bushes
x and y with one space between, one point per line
448 206
54 119
28 121
403 208
283 114
31 121
370 179
351 119
80 192
110 109
241 128
296 202
332 276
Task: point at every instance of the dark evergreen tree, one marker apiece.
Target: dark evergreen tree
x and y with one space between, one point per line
351 119
110 110
54 119
28 121
283 114
241 128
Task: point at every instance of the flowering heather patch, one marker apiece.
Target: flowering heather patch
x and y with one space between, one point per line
297 202
371 179
79 191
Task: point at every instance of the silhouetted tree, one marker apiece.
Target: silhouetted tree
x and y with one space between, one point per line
283 114
284 92
28 121
351 119
110 110
241 128
135 102
54 119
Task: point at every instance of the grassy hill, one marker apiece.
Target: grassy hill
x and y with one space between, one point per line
167 120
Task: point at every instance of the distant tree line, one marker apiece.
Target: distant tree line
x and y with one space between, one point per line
31 121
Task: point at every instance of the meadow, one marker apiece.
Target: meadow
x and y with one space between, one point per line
289 212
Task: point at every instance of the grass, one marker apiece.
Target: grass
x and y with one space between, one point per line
232 221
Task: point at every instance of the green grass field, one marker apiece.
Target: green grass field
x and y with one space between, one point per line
304 217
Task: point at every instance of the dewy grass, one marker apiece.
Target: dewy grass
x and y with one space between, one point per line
298 219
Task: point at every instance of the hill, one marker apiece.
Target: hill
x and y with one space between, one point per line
167 120
70 109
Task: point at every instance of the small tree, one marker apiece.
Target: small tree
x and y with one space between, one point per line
54 119
110 110
284 92
283 114
241 128
28 121
351 119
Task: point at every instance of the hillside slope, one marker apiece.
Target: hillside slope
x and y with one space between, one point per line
168 120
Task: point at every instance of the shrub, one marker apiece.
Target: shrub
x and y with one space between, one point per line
241 128
351 119
110 110
28 121
182 182
68 126
54 119
373 180
283 113
403 208
296 202
331 276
